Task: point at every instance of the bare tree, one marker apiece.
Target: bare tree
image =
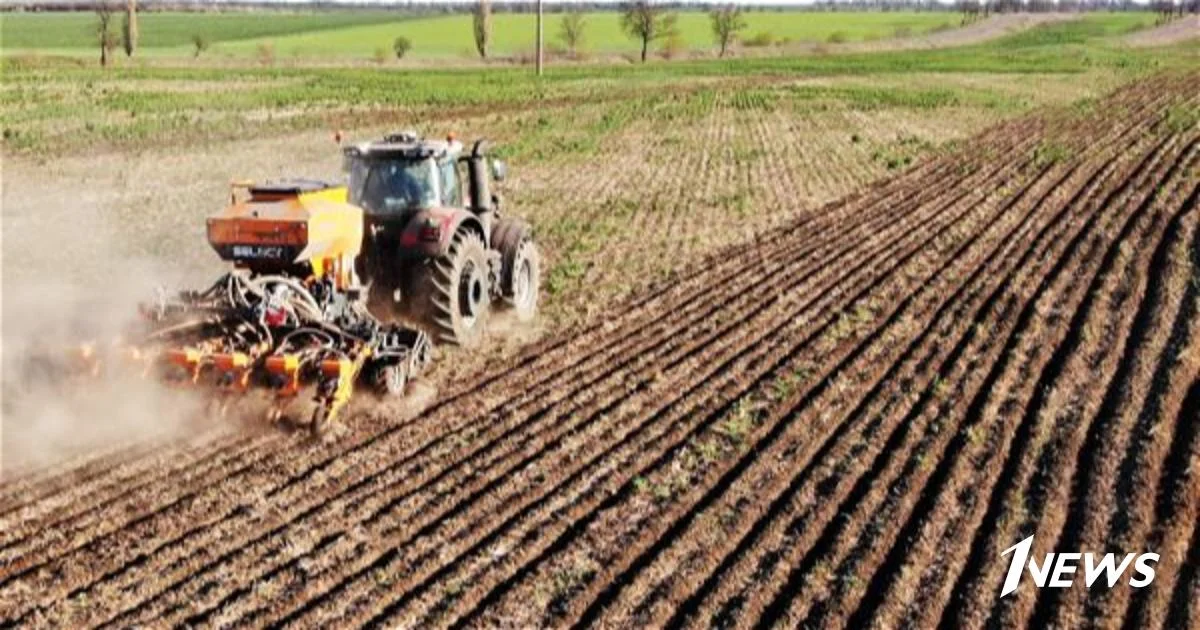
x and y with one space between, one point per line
646 22
483 27
129 30
570 30
104 35
727 22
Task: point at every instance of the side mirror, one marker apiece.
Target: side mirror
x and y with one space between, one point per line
499 170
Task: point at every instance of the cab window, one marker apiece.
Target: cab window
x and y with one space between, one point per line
451 189
382 186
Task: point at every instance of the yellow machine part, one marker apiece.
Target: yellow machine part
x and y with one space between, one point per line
288 367
346 372
273 228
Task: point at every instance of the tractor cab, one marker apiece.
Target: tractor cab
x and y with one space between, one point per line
404 173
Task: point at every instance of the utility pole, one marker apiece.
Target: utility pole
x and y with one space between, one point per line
539 38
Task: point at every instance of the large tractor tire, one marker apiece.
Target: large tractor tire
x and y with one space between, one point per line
520 267
451 294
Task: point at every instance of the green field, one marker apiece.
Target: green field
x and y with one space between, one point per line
46 105
358 35
65 31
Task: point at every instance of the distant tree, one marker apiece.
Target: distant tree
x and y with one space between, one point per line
483 27
129 29
646 22
199 45
970 10
672 45
570 30
1164 8
104 35
401 46
727 23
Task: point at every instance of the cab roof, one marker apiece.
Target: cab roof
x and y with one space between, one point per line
294 186
404 144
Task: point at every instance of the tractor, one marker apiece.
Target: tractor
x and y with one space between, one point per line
332 285
431 254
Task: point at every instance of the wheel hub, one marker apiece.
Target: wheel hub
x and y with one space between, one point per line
472 293
522 292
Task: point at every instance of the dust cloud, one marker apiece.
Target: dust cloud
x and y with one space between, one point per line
83 239
53 409
66 280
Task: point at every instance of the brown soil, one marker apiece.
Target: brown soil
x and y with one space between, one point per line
839 421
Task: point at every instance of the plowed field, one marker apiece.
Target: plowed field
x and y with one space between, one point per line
839 424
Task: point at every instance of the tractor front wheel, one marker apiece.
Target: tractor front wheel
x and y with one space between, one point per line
452 293
520 267
522 293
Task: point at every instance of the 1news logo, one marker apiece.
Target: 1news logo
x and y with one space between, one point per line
1057 570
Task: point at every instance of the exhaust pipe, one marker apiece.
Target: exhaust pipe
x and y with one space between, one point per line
481 197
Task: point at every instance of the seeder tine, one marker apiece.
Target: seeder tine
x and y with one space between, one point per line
334 388
186 364
283 372
233 371
283 376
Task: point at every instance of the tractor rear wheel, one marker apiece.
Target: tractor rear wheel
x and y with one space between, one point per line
451 294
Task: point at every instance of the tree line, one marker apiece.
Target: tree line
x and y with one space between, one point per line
1074 6
645 21
128 33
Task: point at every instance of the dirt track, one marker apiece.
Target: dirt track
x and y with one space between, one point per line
1180 30
839 424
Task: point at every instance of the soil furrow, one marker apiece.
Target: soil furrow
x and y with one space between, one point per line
975 559
481 449
1090 314
840 439
956 380
364 571
1110 430
788 448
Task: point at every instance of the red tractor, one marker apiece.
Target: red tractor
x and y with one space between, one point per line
437 249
